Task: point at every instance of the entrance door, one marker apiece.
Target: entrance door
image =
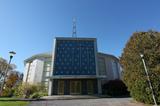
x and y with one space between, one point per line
60 87
75 87
90 87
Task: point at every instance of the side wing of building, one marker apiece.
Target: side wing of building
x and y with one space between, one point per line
37 69
109 67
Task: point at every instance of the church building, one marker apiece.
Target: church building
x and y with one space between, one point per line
75 67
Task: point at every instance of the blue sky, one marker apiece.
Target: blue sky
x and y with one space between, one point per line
29 26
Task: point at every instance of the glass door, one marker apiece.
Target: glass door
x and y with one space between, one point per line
75 87
61 87
90 88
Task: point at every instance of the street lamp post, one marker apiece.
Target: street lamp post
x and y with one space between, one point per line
11 53
149 81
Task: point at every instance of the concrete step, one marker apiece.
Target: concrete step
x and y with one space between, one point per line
67 97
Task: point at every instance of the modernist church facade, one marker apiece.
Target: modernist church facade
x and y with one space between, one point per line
75 67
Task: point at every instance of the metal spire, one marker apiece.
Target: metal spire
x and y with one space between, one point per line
74 32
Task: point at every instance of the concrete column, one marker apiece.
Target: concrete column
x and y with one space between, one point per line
99 87
26 72
50 87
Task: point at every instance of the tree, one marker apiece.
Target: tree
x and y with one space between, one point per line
147 43
13 79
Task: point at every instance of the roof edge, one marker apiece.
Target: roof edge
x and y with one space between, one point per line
49 54
110 55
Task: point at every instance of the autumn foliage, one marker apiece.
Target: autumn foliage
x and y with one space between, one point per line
10 84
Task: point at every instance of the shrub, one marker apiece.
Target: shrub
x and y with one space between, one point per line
147 43
26 90
115 88
8 92
38 95
12 80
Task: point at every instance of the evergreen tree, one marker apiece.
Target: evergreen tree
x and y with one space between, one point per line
148 44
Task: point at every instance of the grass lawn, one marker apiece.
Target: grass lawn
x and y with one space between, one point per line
12 102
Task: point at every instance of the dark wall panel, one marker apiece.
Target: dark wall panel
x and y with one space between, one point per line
55 87
66 87
84 87
95 87
74 57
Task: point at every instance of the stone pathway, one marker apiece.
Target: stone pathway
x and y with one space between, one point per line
88 102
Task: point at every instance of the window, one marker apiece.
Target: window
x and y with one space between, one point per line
47 79
47 66
46 73
101 66
45 83
115 70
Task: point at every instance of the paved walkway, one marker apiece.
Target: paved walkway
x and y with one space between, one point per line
88 102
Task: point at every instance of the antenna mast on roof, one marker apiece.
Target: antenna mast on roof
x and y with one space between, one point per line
74 32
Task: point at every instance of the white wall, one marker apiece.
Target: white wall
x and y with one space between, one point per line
31 74
34 72
38 71
25 72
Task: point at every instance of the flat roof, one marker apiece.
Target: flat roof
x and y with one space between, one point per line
74 38
108 55
48 54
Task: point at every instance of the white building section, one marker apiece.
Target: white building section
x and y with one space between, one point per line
37 69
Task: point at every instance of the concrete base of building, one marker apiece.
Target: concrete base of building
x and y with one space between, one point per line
69 97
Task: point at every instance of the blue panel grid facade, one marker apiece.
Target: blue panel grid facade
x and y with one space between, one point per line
74 57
